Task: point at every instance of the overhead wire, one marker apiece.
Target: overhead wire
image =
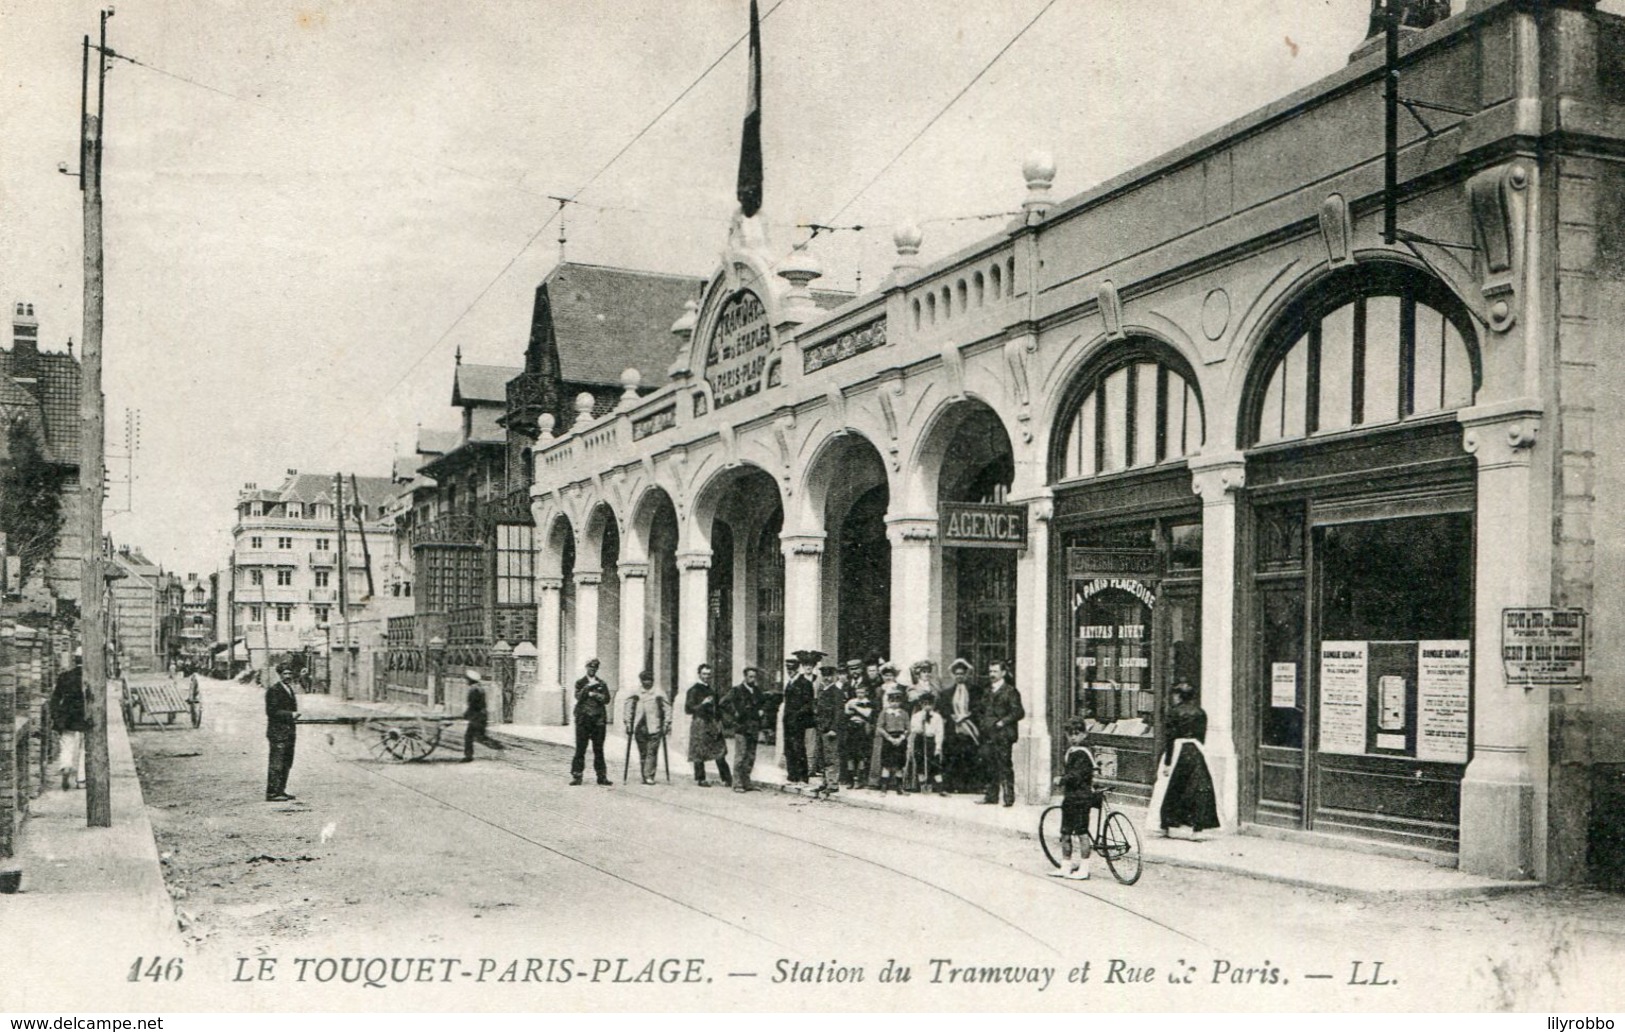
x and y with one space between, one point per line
945 108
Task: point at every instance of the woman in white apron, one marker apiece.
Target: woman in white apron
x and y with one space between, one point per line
1184 796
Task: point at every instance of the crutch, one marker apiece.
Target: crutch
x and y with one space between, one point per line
665 754
626 768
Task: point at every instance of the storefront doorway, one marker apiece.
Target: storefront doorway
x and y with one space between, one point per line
1356 704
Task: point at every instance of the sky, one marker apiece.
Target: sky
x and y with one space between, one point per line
311 206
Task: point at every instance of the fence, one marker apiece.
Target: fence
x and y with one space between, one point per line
28 663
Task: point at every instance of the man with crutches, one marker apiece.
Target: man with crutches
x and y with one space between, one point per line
925 745
646 716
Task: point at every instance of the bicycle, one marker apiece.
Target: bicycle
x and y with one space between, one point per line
1112 835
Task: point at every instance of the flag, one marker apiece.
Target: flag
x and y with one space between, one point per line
750 147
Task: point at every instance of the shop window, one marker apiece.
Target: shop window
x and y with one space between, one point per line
1138 411
1378 345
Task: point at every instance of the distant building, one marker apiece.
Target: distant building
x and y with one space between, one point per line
138 589
197 633
286 558
40 390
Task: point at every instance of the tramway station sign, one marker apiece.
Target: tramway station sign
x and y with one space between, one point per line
975 525
737 356
1543 646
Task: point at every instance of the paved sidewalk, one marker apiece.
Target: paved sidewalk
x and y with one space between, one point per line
1341 868
91 894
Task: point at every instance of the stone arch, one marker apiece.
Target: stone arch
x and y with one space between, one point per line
1324 291
846 496
1289 292
917 490
806 508
1080 356
1087 375
733 508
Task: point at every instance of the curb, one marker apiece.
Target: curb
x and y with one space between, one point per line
857 800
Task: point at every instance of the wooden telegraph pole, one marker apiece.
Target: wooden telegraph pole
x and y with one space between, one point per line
92 418
344 590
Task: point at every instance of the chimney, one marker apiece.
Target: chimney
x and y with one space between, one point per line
24 344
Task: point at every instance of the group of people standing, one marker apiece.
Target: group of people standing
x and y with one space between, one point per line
855 726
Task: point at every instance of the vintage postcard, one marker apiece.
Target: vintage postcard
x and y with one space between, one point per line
797 505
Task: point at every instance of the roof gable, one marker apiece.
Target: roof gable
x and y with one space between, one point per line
606 320
482 384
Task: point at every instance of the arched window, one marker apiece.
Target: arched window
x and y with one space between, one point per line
1376 344
1137 409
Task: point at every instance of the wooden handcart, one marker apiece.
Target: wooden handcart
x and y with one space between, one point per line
160 703
404 738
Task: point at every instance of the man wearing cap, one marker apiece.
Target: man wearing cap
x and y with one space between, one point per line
68 717
799 696
705 738
962 742
1001 711
742 719
281 731
592 719
475 713
829 716
646 714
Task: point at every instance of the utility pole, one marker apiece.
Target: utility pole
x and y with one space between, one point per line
92 475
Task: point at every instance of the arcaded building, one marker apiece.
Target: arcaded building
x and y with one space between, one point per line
1202 423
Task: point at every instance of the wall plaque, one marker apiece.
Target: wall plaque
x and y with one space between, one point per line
1543 646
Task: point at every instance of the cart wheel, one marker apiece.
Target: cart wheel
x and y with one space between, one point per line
405 741
1121 844
1049 834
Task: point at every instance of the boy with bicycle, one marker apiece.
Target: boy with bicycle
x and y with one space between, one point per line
1078 784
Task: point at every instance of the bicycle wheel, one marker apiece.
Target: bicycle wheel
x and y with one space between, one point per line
1049 834
1120 844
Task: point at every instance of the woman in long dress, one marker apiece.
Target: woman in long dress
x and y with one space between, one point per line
1184 796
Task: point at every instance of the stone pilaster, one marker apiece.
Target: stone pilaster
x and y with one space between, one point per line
634 592
693 646
1034 749
545 707
1513 556
1216 479
913 595
586 618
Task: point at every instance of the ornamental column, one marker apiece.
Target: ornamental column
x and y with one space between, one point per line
693 647
545 697
803 609
1217 479
634 591
586 620
913 600
1035 747
1513 570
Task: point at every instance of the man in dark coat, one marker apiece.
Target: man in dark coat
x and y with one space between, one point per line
1001 711
705 737
478 717
742 719
773 699
829 716
69 719
592 720
281 731
799 696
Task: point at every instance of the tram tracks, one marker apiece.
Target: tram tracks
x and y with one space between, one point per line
542 765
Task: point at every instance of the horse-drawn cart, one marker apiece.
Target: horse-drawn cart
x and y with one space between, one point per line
404 738
160 702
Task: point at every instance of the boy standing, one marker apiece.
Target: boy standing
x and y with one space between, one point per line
925 744
1078 784
891 732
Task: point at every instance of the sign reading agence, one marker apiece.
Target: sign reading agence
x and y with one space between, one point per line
741 344
974 525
